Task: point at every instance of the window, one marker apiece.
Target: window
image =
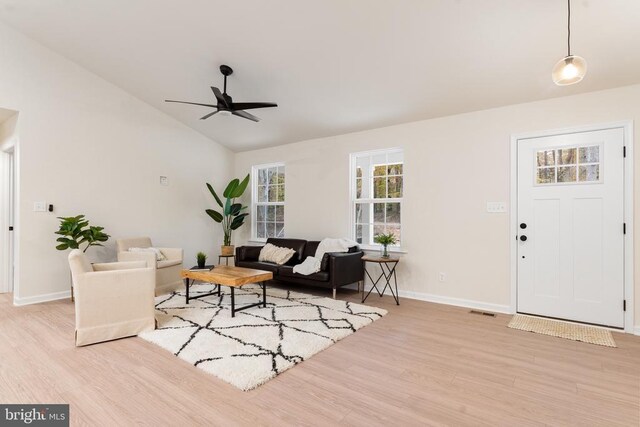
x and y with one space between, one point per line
568 165
376 188
267 201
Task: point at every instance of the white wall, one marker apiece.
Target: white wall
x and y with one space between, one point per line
453 166
88 147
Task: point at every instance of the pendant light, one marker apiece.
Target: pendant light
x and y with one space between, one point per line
572 68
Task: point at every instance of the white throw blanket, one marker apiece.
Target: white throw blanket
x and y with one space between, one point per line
309 266
312 263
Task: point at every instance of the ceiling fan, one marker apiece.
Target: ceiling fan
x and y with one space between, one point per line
225 102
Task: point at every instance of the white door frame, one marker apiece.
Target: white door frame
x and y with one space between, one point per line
8 194
627 127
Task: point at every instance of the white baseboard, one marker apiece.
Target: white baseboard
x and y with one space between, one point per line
41 298
636 330
439 299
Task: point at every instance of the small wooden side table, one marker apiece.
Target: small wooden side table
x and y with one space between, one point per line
226 257
388 267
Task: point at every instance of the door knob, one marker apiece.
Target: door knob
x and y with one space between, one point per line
523 225
523 238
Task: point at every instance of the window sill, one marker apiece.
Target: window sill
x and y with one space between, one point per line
376 248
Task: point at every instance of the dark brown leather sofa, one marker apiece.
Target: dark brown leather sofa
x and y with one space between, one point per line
337 269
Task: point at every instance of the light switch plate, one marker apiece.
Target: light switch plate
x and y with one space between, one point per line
164 180
496 207
39 206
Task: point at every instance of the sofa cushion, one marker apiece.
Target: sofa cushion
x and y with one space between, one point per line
275 254
287 271
266 266
169 263
297 245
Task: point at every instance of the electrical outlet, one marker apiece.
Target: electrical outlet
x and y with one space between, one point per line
442 277
164 181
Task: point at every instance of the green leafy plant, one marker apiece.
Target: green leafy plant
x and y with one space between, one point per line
201 257
76 231
232 216
385 240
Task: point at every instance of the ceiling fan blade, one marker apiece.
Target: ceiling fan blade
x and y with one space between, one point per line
245 115
220 97
209 115
192 103
252 105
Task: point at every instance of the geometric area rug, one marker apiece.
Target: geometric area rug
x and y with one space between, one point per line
560 329
259 343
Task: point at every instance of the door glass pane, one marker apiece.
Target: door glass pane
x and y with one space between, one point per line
589 154
273 175
281 175
567 174
359 233
379 188
378 229
393 213
359 188
279 229
358 172
280 213
546 175
546 158
394 185
378 212
590 173
567 156
395 230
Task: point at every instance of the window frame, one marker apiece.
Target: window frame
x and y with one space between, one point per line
353 191
255 170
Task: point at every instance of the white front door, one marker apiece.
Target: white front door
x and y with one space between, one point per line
570 227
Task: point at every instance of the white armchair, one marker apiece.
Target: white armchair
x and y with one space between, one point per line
167 272
113 300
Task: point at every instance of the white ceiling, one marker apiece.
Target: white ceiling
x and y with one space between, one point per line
335 66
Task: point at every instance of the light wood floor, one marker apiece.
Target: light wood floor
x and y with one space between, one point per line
422 364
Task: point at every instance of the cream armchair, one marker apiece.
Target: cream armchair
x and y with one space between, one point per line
113 300
167 272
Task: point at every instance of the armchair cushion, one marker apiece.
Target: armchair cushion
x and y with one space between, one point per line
108 266
159 255
136 242
169 263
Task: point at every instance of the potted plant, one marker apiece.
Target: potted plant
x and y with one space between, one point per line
231 216
201 257
76 231
385 240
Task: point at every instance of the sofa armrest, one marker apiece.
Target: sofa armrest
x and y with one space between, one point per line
345 268
173 254
148 257
109 266
248 253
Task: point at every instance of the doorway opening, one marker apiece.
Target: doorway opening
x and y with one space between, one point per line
8 198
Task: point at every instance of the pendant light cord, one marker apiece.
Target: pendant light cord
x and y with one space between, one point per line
568 27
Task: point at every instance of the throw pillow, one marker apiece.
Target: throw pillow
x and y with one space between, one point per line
275 254
159 255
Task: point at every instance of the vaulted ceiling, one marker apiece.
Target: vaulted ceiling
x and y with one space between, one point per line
335 66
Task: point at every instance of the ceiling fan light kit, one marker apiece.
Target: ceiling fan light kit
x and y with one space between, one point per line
225 105
572 68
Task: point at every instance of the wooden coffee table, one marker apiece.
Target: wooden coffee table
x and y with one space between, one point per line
232 277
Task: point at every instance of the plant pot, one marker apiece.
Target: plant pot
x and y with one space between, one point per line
201 264
384 252
226 250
